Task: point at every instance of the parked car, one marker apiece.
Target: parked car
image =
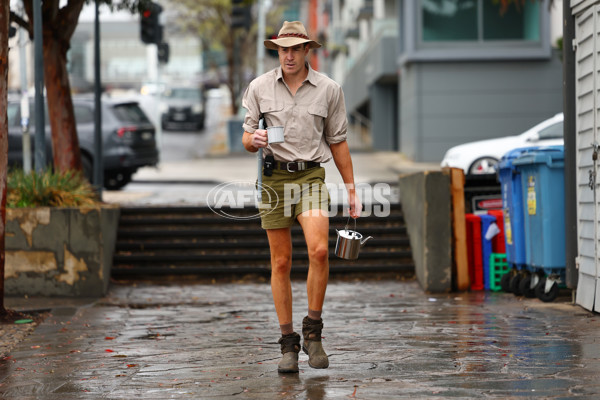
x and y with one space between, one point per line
183 108
482 157
128 138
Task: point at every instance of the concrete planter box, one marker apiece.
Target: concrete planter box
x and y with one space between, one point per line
426 205
60 251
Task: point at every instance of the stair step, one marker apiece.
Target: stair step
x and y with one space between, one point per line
186 245
159 220
219 232
228 256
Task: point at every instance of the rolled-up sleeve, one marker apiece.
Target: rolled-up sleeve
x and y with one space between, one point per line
250 103
336 125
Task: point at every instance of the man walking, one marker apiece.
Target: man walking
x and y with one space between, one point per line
312 110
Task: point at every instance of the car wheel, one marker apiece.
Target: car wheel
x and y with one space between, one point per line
116 180
483 166
88 168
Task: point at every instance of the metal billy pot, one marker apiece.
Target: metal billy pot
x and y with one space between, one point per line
349 242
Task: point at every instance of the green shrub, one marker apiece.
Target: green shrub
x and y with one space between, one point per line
49 189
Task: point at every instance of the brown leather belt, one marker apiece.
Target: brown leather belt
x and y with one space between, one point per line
294 166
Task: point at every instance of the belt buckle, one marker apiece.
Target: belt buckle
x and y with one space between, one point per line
287 166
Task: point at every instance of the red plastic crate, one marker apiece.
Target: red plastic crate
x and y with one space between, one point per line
498 242
474 251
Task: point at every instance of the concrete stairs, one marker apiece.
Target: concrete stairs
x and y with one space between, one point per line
195 241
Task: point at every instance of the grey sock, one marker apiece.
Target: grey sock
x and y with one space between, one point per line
286 329
314 315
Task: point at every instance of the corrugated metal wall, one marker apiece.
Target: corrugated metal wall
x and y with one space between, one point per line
588 118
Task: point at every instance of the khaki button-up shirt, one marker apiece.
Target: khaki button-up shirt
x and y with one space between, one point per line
312 119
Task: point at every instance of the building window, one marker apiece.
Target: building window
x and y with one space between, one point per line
478 21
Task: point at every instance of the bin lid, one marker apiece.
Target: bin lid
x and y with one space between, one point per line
506 162
549 155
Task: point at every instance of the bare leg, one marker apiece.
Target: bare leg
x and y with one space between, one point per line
315 224
280 243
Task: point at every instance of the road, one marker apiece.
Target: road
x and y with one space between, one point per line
176 147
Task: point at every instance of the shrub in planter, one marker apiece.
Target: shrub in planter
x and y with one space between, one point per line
49 189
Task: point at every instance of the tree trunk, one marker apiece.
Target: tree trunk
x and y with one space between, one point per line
231 63
65 143
4 22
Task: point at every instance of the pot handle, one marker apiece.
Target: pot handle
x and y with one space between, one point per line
348 221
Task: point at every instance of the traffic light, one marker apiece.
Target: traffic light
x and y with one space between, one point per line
163 52
241 16
150 28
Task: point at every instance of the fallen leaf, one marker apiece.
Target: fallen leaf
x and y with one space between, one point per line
109 351
131 365
109 338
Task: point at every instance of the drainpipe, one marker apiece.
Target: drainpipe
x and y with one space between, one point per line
570 136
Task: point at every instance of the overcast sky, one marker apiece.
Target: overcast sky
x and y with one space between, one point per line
87 14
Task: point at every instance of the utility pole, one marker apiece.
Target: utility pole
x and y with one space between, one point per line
26 138
260 47
98 161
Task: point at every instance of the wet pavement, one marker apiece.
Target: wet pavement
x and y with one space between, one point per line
386 339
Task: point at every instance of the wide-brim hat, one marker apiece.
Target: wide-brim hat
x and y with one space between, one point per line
291 34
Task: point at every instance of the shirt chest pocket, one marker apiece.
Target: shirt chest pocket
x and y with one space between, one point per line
319 113
273 112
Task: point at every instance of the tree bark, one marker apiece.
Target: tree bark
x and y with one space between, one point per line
231 71
59 26
4 22
65 143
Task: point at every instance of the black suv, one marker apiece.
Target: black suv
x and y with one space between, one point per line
183 108
127 133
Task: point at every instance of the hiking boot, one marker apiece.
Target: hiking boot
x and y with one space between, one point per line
290 347
311 330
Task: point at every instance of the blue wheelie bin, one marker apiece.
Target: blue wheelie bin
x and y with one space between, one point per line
543 198
486 248
514 230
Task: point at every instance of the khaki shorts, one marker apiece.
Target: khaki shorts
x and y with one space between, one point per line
286 195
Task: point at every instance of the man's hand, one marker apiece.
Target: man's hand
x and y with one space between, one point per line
259 138
355 204
254 141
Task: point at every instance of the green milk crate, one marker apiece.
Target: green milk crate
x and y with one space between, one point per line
498 267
